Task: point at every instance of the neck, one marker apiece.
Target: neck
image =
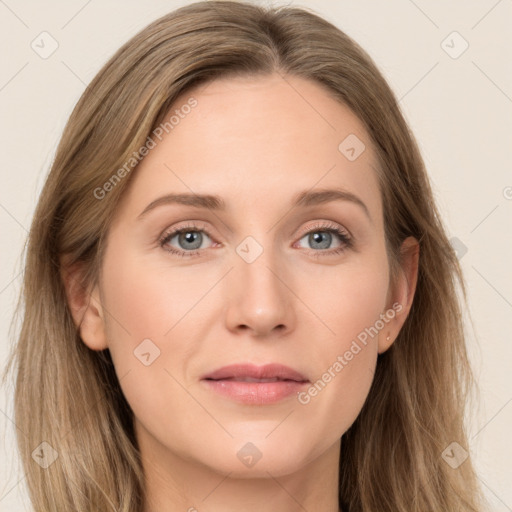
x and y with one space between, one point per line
175 484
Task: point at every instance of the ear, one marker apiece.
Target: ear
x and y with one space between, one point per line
402 293
84 304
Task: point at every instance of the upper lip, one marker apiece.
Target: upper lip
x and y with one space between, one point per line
267 371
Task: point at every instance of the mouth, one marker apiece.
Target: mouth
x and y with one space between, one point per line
252 379
255 385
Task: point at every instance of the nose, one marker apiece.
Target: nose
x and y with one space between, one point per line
259 297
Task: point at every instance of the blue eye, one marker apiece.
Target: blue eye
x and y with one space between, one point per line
323 238
190 240
320 236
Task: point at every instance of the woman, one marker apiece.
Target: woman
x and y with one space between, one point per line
251 369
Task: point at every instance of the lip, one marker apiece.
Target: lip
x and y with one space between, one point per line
256 385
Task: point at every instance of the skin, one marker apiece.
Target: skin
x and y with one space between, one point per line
256 142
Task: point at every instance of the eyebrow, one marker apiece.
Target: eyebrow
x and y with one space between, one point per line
303 199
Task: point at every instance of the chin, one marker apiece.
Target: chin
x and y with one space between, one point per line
256 460
262 469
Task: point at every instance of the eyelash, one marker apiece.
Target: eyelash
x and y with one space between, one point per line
345 239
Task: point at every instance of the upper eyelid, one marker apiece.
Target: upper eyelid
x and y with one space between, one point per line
325 225
318 225
173 231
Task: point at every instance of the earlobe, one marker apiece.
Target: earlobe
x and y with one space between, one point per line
402 297
386 343
85 307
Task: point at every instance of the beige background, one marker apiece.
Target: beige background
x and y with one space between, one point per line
458 106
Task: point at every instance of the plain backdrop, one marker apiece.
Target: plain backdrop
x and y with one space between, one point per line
450 66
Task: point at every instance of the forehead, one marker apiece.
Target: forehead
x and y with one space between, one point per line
248 138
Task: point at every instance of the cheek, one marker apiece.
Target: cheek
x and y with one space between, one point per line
146 307
149 342
148 300
348 300
346 353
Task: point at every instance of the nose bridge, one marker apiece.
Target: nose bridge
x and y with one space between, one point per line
258 296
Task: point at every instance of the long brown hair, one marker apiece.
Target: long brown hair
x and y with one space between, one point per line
69 396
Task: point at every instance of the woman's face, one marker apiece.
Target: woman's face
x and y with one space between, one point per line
258 277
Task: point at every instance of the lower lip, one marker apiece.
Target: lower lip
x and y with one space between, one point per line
256 393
